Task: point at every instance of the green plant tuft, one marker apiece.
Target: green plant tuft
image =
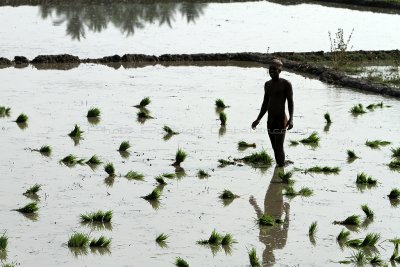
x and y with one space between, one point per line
214 239
78 240
259 159
222 118
132 175
358 257
351 155
101 242
351 220
144 102
124 146
97 216
312 140
254 261
376 143
312 229
71 160
33 190
327 117
343 236
93 113
324 170
223 163
357 109
368 212
29 208
179 262
227 240
143 115
227 194
268 220
293 142
180 156
219 103
376 261
202 174
161 238
370 240
160 180
168 130
305 192
243 145
4 111
3 242
362 178
45 150
22 118
394 194
286 177
76 132
169 175
395 152
94 160
394 165
109 169
154 195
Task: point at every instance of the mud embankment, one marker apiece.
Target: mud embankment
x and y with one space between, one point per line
303 63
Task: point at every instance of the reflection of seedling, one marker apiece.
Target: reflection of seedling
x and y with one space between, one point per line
224 163
168 175
132 175
3 242
293 142
109 169
76 132
351 155
33 190
154 195
124 146
179 262
227 194
327 118
394 194
312 140
243 145
98 216
78 240
259 159
93 113
286 177
222 118
22 118
168 130
142 116
357 109
144 102
180 157
4 111
94 160
343 236
160 180
101 242
254 261
202 174
368 212
351 220
312 229
29 208
395 152
362 178
376 143
219 103
324 170
394 165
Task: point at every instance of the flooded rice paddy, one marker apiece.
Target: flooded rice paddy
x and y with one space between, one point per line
97 29
189 208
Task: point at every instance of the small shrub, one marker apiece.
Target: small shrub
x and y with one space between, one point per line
22 118
179 262
293 142
312 140
258 159
343 236
394 194
71 160
93 113
169 175
76 132
214 239
180 157
394 165
168 130
223 163
362 178
161 238
267 220
94 160
227 194
368 212
351 220
243 145
44 150
4 111
227 240
324 170
286 177
124 146
351 155
97 216
312 229
160 180
109 169
78 240
357 110
395 152
144 102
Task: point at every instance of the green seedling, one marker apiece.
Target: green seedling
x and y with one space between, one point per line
376 143
154 195
268 220
214 239
132 175
78 240
362 178
3 242
109 169
254 261
179 262
358 257
394 165
324 170
376 261
243 145
94 160
29 208
76 132
45 150
312 229
327 118
223 163
258 159
71 160
160 180
312 140
222 118
394 194
368 212
395 152
101 242
161 238
219 103
370 240
33 190
227 194
304 192
293 142
97 216
227 240
286 177
202 174
124 146
354 243
343 236
8 265
357 109
22 118
351 155
144 102
169 175
93 113
169 131
142 116
5 111
353 220
180 157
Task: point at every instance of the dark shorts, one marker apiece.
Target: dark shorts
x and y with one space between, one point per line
277 126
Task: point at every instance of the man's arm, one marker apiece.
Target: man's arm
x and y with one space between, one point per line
264 108
289 96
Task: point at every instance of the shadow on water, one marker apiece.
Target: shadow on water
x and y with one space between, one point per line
273 237
96 16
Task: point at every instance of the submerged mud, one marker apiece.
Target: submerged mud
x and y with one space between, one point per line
304 63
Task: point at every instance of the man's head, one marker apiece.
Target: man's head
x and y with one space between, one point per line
275 68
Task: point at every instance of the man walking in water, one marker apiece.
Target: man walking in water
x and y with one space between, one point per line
276 91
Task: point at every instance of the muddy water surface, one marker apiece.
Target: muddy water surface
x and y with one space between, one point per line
189 209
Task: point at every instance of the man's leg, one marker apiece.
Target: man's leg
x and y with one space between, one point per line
279 151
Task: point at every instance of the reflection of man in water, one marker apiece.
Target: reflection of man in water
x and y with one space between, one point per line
276 91
273 237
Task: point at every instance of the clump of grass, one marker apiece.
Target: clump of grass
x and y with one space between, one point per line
4 111
324 170
214 239
132 175
142 115
394 165
33 190
97 216
254 261
169 131
370 240
305 192
357 109
202 174
327 117
29 208
343 236
376 261
161 238
160 180
154 195
124 146
358 257
180 157
22 118
227 240
44 150
223 163
76 132
222 118
293 142
243 145
3 242
368 212
78 240
109 169
101 242
268 220
351 220
71 160
312 229
312 140
227 194
93 113
259 159
362 178
351 155
179 262
169 175
144 102
395 152
219 103
376 143
394 194
286 177
94 160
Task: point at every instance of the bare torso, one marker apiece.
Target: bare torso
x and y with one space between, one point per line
277 95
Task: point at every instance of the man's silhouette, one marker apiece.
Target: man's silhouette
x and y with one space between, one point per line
276 92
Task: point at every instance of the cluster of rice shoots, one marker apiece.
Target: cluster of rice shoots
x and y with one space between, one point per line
22 118
78 240
376 143
168 175
180 157
223 163
218 239
76 132
258 159
227 194
370 240
33 190
395 256
351 155
94 160
374 106
368 212
304 192
219 104
353 220
143 115
202 174
254 261
160 180
312 229
324 170
268 220
161 238
363 178
394 165
3 242
179 262
132 175
101 242
312 140
71 160
93 113
222 118
169 131
395 152
293 142
327 118
357 109
124 146
154 195
144 102
29 208
343 236
286 177
97 216
109 169
5 111
394 194
244 145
